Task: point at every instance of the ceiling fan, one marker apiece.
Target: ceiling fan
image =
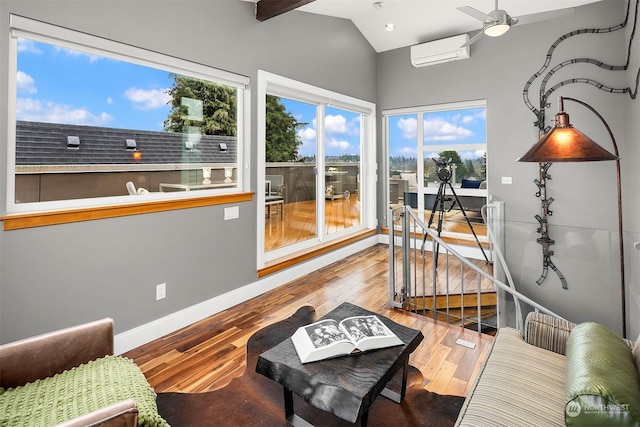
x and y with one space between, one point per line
498 21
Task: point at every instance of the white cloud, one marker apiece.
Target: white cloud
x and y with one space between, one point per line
339 144
335 124
438 129
42 111
407 151
409 128
109 100
25 83
147 99
471 155
307 135
25 45
77 54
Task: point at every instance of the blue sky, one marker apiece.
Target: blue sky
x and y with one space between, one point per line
58 85
452 127
342 129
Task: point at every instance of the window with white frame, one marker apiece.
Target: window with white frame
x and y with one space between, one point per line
95 122
329 178
454 134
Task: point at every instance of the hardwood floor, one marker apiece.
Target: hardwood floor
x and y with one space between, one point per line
299 222
210 353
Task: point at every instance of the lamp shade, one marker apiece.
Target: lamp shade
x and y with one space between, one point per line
564 143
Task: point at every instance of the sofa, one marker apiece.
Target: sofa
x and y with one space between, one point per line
558 374
71 378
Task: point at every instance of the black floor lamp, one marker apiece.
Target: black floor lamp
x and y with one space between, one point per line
564 143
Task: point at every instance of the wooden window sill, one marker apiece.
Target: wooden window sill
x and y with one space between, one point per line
286 262
40 219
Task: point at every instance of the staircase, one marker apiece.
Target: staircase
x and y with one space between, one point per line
465 286
458 309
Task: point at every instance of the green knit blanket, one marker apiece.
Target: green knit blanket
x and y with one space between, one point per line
78 391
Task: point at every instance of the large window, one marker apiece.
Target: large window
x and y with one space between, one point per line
316 153
424 141
97 123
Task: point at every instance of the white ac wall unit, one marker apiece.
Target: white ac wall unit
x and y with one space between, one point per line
439 51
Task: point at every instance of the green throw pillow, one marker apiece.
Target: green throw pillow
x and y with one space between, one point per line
78 391
602 387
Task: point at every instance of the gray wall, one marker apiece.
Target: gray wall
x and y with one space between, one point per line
62 275
584 222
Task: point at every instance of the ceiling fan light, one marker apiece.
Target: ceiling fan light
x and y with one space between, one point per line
496 30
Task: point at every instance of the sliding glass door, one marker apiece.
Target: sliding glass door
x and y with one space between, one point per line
342 157
315 150
403 165
290 173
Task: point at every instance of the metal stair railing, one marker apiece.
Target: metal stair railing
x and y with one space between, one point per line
413 275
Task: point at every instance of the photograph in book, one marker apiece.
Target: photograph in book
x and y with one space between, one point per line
329 338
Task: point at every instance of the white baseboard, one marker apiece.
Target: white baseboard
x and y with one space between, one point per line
148 332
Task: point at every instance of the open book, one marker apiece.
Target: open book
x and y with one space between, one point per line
329 338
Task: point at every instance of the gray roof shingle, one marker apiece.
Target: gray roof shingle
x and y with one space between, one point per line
40 143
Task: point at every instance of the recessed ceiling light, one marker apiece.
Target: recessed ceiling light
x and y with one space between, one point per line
389 27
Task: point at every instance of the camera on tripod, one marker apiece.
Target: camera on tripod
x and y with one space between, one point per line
444 168
444 174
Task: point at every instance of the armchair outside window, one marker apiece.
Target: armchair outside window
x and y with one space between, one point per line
411 179
275 192
275 186
131 188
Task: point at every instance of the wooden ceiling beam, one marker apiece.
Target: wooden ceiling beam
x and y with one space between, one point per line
267 9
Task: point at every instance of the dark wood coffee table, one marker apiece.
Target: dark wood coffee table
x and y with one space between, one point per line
344 386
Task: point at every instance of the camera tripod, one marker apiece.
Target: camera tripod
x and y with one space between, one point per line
439 206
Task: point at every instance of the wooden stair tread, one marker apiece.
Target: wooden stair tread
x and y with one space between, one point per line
487 299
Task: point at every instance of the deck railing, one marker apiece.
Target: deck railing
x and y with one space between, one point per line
427 275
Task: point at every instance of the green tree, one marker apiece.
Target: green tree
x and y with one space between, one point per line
282 141
218 107
471 169
430 170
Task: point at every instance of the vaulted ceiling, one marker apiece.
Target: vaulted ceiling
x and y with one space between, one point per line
415 21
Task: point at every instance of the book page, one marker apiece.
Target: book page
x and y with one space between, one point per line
324 333
369 332
328 338
321 340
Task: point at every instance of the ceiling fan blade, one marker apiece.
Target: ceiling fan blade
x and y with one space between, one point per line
475 13
473 39
543 16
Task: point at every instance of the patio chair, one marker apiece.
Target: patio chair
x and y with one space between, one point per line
276 187
131 188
